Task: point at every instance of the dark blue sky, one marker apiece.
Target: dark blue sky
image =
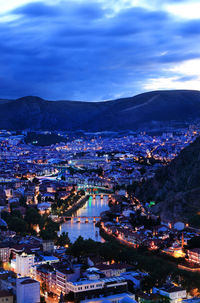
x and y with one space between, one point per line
97 50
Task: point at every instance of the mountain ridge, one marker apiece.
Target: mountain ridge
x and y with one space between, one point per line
32 112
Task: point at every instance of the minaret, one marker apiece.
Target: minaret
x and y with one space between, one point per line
182 241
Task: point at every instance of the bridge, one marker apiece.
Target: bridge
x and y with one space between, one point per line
92 189
81 219
94 195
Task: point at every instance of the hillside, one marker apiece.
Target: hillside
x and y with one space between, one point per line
176 188
124 114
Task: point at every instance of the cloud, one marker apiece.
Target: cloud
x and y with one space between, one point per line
37 9
191 79
187 78
190 28
84 50
86 10
184 9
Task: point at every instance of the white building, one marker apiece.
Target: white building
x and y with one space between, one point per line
175 294
85 289
28 291
116 298
24 264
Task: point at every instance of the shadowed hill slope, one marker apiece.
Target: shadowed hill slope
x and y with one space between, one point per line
124 114
176 187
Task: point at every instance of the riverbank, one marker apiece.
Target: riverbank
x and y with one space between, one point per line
69 213
86 228
80 203
156 264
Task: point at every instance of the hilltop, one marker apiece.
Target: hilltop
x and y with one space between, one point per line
152 108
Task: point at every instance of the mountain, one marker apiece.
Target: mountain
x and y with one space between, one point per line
176 187
131 113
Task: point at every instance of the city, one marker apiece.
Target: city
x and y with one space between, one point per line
72 228
99 151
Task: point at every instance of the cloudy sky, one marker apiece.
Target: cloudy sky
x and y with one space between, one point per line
98 49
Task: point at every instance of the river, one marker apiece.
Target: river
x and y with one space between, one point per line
93 207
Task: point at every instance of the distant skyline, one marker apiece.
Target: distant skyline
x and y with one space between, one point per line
94 50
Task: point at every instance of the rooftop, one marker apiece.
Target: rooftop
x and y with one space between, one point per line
28 281
104 280
5 293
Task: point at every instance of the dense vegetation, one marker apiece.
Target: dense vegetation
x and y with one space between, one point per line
61 206
44 139
176 188
27 224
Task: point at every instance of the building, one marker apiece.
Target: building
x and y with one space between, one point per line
174 293
4 253
87 289
63 275
5 296
194 255
116 298
28 291
48 246
146 297
24 263
8 281
112 269
46 274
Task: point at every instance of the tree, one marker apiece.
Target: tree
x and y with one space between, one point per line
63 239
110 250
164 299
48 228
100 171
22 201
42 299
32 216
53 207
147 283
142 170
36 181
83 247
16 224
39 198
16 213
